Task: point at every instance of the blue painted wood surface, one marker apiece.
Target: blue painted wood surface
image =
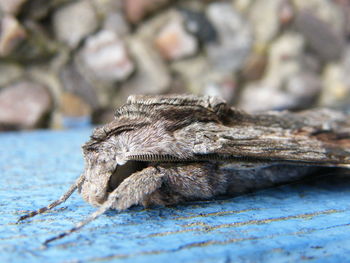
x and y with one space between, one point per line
308 221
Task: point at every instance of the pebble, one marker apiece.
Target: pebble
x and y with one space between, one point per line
300 91
11 35
264 18
74 82
174 42
254 67
24 105
10 72
198 24
320 36
284 58
11 6
75 21
116 22
234 42
286 84
106 56
152 75
136 10
72 105
336 81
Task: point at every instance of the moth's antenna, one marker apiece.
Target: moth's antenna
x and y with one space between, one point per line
57 202
105 206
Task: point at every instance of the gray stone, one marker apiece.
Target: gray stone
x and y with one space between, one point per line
191 72
264 18
24 105
320 36
198 24
287 84
116 23
11 6
151 76
231 49
220 85
9 72
74 21
284 58
300 91
12 33
336 81
325 10
73 82
198 78
105 56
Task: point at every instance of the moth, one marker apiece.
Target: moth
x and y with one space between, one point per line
165 150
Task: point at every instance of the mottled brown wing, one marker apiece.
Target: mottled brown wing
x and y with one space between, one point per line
319 137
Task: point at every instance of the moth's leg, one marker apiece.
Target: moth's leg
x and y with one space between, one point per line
57 202
132 191
137 188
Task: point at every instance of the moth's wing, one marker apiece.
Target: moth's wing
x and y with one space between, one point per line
318 137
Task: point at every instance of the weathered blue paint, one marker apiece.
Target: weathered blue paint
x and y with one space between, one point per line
307 221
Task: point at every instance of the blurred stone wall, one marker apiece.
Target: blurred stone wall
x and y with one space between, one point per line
75 60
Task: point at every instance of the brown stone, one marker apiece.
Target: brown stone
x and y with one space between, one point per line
136 10
174 42
24 105
74 106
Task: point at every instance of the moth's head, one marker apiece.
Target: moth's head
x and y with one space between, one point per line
144 130
106 162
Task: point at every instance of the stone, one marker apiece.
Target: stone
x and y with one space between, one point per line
106 57
151 76
136 10
234 42
264 18
74 82
242 6
284 58
191 72
198 24
24 105
287 83
116 23
220 85
105 7
173 42
198 78
325 10
254 67
75 21
286 13
300 91
320 36
11 6
72 105
12 34
10 72
336 81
